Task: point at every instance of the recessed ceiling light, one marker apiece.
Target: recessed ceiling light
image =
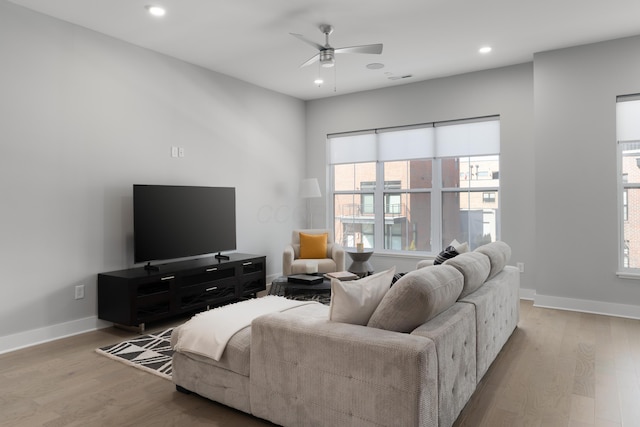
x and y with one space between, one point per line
485 49
375 66
156 10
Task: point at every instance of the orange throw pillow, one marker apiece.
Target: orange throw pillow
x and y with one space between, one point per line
313 246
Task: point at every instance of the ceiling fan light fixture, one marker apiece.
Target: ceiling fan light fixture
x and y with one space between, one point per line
485 49
375 66
327 60
156 10
318 82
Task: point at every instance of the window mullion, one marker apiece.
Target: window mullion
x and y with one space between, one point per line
378 198
436 206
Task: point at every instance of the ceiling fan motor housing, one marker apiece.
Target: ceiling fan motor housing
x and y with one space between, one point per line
327 58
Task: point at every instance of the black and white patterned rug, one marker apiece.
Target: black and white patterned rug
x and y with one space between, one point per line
151 353
323 297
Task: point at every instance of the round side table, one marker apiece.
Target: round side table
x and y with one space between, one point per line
360 265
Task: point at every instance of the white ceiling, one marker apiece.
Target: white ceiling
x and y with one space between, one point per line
249 39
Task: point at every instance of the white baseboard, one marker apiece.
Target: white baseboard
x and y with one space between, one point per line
271 277
62 330
50 333
527 294
587 306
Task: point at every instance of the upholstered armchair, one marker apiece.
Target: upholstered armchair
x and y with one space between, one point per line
311 249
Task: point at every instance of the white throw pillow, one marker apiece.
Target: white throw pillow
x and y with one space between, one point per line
460 247
354 301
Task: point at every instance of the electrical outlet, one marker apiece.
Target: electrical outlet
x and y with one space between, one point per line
520 267
180 151
79 291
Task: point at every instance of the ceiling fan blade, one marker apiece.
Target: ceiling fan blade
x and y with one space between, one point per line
375 49
313 59
312 43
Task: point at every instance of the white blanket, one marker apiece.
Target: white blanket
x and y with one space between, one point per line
207 333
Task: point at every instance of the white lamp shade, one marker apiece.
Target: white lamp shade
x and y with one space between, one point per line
310 188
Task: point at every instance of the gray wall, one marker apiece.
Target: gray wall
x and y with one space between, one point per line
505 91
558 162
575 169
82 118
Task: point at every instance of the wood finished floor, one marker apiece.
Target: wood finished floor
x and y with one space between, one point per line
558 369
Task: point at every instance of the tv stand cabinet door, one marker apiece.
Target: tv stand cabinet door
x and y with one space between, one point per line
252 277
204 287
131 302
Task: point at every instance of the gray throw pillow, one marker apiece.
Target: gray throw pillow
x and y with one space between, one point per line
417 297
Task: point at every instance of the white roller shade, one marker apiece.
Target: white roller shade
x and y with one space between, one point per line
352 148
406 144
468 139
475 137
628 121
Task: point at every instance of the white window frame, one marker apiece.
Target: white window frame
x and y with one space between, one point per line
436 190
627 133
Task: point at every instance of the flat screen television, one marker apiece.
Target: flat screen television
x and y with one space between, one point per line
171 222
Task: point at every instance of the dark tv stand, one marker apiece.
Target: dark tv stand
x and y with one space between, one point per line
142 295
220 256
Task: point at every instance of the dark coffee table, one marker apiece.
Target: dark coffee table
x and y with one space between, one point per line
319 292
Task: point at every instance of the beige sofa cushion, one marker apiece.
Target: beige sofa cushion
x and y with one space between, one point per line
417 297
474 267
235 357
498 253
354 301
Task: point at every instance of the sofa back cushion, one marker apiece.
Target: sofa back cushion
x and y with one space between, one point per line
474 267
498 253
417 297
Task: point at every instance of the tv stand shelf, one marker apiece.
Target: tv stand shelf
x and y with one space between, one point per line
140 295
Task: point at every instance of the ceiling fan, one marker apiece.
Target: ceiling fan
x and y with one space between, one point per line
326 53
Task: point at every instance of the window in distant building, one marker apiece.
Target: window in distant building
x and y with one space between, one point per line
489 197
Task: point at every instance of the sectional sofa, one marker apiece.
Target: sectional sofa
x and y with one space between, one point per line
415 362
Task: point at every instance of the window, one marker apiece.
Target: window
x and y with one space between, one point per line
416 188
489 197
628 136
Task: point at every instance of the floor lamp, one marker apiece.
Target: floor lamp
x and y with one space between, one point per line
309 188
